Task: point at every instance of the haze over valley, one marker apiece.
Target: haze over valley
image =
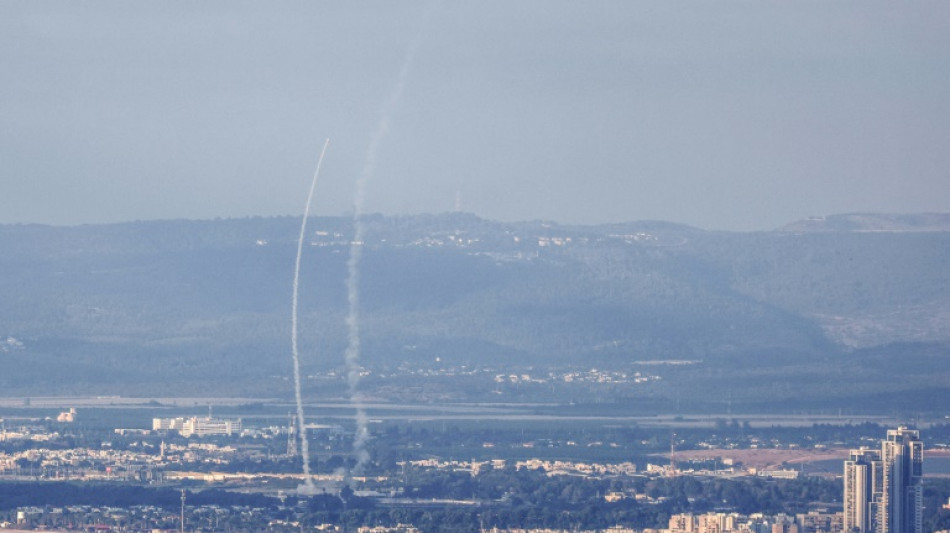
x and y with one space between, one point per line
848 311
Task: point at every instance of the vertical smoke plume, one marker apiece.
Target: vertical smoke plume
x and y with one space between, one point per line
307 487
352 353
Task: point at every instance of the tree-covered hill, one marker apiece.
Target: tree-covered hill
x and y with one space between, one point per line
178 303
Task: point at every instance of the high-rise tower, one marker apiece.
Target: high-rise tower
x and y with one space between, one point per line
902 497
882 489
862 488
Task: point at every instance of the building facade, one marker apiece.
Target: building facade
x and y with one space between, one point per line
862 488
198 426
902 496
883 491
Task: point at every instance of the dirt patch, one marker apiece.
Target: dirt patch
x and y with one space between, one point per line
774 458
767 458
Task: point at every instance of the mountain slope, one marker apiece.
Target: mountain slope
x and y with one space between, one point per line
177 303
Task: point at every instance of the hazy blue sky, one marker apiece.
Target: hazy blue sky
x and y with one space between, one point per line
723 115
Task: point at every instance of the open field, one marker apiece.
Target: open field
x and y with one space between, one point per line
769 458
772 458
458 411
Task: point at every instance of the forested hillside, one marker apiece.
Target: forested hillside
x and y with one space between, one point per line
173 304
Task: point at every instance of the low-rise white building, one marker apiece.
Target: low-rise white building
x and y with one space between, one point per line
198 426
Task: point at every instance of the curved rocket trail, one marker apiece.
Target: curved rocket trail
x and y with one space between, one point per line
304 444
352 353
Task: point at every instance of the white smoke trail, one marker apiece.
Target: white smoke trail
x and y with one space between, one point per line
352 354
307 487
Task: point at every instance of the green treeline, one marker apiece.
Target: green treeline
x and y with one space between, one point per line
507 498
59 494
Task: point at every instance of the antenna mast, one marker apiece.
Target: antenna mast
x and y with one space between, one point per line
291 437
672 454
182 510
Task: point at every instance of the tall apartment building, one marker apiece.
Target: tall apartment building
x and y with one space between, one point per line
902 496
862 486
882 489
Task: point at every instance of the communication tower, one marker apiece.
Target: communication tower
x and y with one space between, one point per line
672 471
291 436
182 510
